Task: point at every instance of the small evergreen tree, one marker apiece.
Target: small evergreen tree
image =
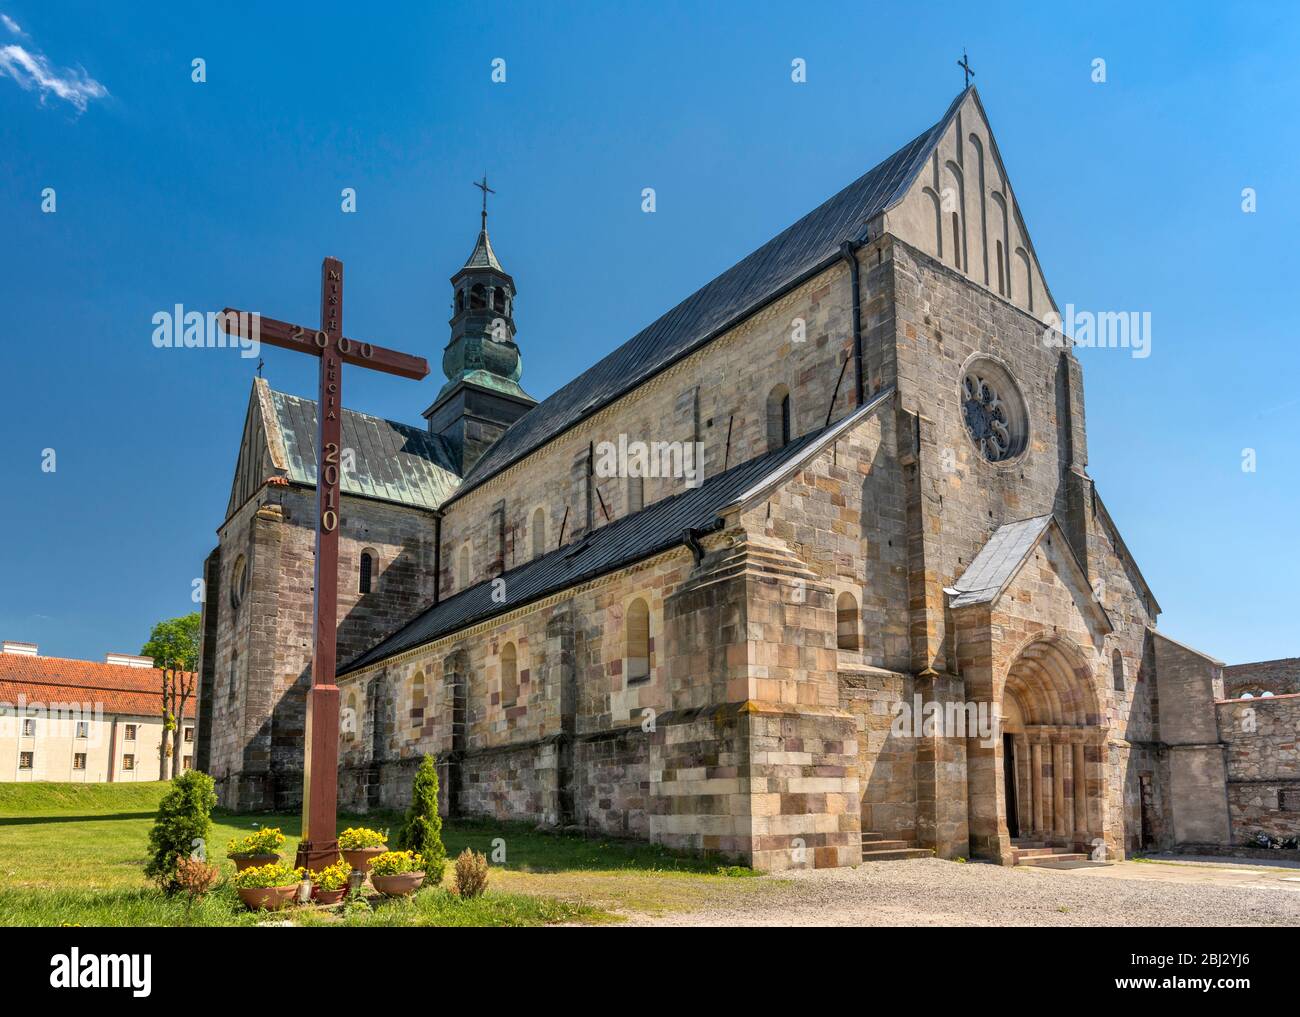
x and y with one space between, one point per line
422 829
181 828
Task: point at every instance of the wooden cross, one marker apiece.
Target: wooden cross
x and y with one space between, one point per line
482 185
964 64
319 847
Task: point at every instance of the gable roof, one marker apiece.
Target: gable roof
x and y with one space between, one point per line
802 250
1002 557
659 527
394 462
117 688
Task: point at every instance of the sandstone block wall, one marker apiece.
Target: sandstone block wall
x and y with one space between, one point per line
1263 758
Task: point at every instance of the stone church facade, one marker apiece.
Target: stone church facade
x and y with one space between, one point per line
859 594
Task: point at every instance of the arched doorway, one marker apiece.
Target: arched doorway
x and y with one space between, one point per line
1053 748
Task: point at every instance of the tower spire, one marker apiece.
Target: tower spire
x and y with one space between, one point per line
482 185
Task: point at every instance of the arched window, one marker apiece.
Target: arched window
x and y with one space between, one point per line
462 568
417 700
477 297
238 581
509 675
635 494
1117 666
499 300
636 628
539 533
778 417
846 622
349 722
367 570
460 301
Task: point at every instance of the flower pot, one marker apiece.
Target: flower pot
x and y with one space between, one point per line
249 861
328 896
360 859
399 885
268 898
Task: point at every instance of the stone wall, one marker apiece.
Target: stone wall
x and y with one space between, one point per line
1263 756
1280 677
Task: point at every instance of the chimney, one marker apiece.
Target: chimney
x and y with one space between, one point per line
19 649
127 660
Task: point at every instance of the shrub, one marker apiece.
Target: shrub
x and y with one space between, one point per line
471 874
267 841
335 877
181 827
422 830
358 838
195 877
262 876
393 863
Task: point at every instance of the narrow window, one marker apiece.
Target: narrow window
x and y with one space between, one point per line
189 734
79 761
539 533
635 494
187 762
1002 275
846 622
29 728
509 675
417 700
462 568
1117 666
478 297
367 570
128 762
637 634
83 729
130 733
349 721
499 300
956 240
778 418
233 688
25 760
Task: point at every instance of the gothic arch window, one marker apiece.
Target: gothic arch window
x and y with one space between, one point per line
993 410
477 297
778 418
418 693
366 573
1117 667
635 494
509 675
462 567
636 634
846 622
539 533
238 581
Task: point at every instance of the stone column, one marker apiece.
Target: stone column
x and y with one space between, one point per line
1080 792
1058 788
1036 784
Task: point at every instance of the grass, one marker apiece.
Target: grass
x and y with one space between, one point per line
74 854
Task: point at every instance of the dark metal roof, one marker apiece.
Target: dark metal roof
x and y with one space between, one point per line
803 249
998 560
655 529
393 462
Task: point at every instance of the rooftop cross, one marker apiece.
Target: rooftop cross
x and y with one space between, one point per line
482 185
964 64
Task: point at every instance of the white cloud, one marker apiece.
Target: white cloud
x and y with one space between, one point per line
32 70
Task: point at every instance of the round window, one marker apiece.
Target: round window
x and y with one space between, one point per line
993 410
238 581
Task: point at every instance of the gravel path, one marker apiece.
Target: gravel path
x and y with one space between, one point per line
931 892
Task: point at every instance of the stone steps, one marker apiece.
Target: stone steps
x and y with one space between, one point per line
877 848
1051 857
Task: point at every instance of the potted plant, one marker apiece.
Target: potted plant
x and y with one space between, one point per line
257 849
396 873
360 845
268 887
330 884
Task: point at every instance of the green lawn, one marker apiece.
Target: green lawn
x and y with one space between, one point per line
74 854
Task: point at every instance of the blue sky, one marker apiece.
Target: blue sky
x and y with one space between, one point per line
228 192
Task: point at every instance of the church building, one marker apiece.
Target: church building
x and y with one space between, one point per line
810 570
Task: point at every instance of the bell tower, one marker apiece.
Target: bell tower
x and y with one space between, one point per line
482 396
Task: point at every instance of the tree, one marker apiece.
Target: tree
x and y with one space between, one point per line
180 829
174 646
421 831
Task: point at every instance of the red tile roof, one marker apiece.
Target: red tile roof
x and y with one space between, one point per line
116 688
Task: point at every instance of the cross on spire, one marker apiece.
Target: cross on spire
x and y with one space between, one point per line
482 185
964 64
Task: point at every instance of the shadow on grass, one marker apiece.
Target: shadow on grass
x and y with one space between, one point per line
103 817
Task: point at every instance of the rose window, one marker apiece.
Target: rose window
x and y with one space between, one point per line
993 411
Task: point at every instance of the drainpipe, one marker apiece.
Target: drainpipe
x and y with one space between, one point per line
849 252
